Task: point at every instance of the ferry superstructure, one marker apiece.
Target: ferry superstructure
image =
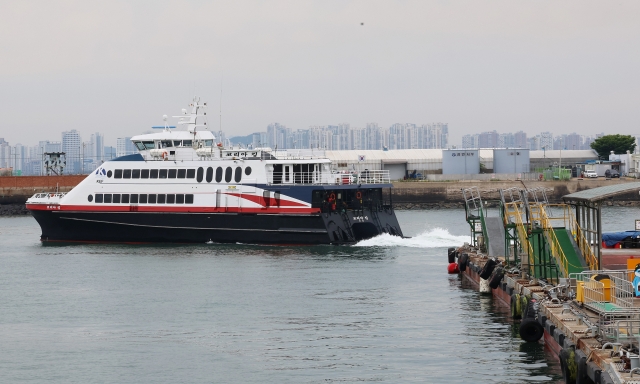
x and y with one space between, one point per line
184 187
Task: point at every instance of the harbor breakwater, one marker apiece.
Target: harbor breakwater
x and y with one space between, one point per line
15 190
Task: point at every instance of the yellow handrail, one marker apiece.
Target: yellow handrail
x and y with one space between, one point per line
512 211
569 221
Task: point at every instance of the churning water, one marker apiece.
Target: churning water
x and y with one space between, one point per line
381 311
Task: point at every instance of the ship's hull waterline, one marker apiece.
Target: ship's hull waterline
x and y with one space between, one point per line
249 228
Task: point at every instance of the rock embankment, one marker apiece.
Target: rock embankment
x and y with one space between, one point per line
13 210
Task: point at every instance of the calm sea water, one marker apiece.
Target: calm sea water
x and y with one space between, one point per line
382 311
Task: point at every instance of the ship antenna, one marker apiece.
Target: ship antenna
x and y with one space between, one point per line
220 133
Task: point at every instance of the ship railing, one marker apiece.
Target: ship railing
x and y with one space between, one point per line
331 178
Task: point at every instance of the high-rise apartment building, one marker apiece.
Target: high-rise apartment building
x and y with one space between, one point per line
72 147
488 140
124 146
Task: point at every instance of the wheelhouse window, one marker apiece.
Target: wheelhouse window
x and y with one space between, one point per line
166 143
148 144
139 145
177 143
187 143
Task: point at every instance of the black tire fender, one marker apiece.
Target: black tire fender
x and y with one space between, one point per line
496 279
581 372
487 269
463 261
568 365
515 304
451 253
530 330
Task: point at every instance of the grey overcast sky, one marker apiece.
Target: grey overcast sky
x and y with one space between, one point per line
117 66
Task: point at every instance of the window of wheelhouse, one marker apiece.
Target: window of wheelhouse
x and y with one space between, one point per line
148 144
139 145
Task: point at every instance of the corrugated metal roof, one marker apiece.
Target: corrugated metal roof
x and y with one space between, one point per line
601 193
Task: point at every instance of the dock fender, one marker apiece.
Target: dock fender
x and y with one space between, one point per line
451 253
568 365
568 343
581 363
530 310
524 305
462 262
530 330
542 320
496 278
516 310
487 269
548 325
605 378
558 336
594 372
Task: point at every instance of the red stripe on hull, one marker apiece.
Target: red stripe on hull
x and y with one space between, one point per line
168 209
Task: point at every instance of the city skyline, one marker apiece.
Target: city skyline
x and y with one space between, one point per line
84 156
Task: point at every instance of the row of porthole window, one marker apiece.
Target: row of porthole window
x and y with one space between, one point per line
181 174
134 198
152 173
229 173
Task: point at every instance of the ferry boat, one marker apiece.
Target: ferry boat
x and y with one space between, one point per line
184 187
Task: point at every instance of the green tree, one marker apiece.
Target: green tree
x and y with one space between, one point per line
619 144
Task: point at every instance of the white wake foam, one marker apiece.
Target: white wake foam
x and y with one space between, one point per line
434 238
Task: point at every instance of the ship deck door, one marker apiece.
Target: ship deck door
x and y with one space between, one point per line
286 174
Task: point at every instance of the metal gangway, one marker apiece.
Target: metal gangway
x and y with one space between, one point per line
547 233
